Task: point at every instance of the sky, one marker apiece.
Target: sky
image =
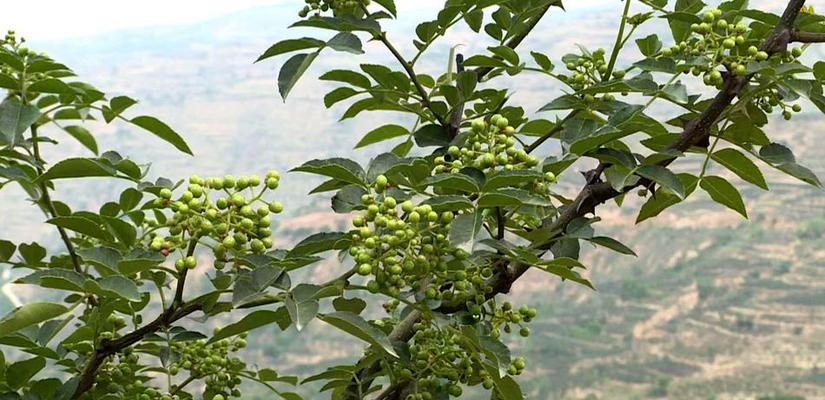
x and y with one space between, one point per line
56 19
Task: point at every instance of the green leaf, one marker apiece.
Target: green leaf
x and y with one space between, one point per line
681 28
78 168
676 91
563 268
354 305
121 287
18 374
320 242
612 244
117 106
382 133
7 249
740 165
722 192
346 42
28 315
358 327
474 19
657 65
51 85
253 320
389 5
290 45
664 178
449 203
83 136
509 389
649 45
129 199
348 199
511 197
512 178
484 61
292 71
339 94
163 131
464 230
542 60
15 118
302 305
54 278
337 168
432 135
81 225
451 181
346 76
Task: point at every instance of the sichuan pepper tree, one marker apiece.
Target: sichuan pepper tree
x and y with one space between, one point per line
463 206
442 225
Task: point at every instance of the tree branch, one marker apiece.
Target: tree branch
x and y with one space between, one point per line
807 37
425 98
515 41
106 348
48 205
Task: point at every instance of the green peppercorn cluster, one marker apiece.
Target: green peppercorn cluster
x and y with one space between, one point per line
442 360
14 45
211 362
398 245
717 42
488 146
230 211
336 6
120 377
586 70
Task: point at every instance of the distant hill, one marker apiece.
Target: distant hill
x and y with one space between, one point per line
714 307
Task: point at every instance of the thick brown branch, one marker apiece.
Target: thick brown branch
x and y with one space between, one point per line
807 37
106 348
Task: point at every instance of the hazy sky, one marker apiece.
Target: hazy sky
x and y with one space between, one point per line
53 19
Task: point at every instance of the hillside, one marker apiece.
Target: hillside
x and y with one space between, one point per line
714 307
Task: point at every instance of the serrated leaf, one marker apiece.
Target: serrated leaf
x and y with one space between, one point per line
320 242
51 85
346 76
612 244
382 133
722 192
358 327
346 42
163 131
83 136
290 45
78 168
740 165
464 230
292 70
511 197
339 94
15 118
449 203
649 45
120 286
337 168
664 177
29 314
81 225
253 320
